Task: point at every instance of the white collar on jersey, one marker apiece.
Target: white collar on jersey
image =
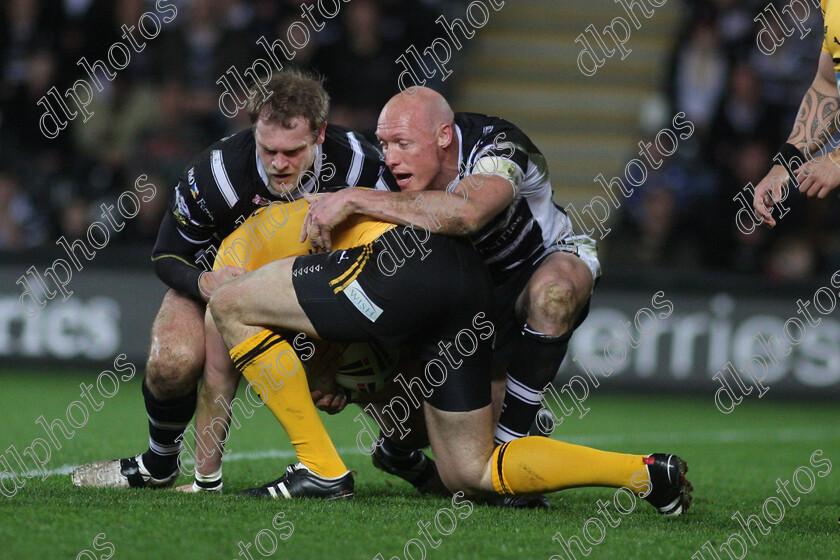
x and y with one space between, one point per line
263 176
311 184
312 177
460 147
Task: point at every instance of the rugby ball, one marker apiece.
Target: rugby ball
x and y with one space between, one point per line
366 368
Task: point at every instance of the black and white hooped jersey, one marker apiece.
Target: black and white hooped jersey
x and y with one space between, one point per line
532 222
226 183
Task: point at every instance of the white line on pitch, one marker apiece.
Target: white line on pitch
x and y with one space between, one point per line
721 436
250 456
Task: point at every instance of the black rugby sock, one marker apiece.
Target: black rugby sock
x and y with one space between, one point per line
167 422
535 361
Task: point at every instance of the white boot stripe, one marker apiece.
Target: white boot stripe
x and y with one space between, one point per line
664 509
670 457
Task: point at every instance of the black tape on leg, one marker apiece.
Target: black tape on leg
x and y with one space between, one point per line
545 338
538 356
177 410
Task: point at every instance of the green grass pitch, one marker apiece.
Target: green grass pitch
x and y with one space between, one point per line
734 462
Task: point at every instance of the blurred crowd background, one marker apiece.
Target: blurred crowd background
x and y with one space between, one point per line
743 103
162 109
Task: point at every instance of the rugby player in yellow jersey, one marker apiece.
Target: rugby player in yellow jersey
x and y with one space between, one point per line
438 288
268 235
815 174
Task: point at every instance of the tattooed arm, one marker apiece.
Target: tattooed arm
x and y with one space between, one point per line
811 130
815 119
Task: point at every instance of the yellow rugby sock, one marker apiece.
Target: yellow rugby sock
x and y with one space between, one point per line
268 361
536 465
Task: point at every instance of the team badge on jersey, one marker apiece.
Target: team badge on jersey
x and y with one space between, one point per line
182 211
192 183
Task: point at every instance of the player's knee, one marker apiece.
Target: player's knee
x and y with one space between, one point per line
224 306
552 304
173 370
465 476
463 482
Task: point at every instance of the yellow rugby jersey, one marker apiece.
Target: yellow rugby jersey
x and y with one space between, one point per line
272 232
831 34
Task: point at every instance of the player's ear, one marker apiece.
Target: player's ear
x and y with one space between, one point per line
444 135
319 138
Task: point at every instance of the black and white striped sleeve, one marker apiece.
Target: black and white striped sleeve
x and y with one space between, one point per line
367 165
201 201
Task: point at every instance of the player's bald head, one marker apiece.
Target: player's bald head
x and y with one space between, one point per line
424 109
416 131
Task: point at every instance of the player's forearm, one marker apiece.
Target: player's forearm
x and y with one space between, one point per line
177 274
173 259
432 210
815 119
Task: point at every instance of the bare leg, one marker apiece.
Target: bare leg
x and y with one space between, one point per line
264 298
176 355
212 415
463 445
